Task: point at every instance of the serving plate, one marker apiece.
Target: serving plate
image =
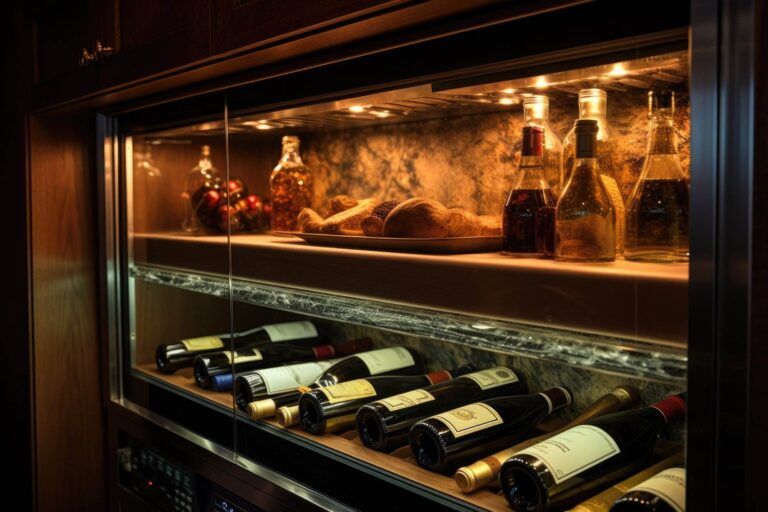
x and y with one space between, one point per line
457 245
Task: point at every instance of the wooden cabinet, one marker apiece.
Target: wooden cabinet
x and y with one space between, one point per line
154 36
240 23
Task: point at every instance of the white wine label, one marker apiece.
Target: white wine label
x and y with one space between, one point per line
493 377
288 378
469 419
204 343
290 331
405 400
574 451
245 356
386 359
351 390
668 485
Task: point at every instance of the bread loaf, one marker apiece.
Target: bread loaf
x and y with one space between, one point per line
309 221
462 222
339 204
417 218
373 225
490 225
349 220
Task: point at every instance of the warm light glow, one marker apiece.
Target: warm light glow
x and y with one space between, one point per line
508 91
357 109
264 126
381 113
506 101
541 83
618 70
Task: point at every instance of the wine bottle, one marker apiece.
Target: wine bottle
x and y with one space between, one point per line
267 356
332 408
444 442
603 501
391 360
171 357
664 492
384 424
486 471
564 469
259 384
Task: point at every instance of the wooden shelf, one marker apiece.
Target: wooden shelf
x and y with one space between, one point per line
347 443
626 300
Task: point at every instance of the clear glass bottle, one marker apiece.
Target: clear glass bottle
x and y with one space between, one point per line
593 104
657 211
584 218
290 187
529 213
201 193
536 113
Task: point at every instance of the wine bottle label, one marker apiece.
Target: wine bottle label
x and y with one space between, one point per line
386 359
351 390
244 356
288 378
668 485
471 418
406 400
203 343
290 331
575 450
493 377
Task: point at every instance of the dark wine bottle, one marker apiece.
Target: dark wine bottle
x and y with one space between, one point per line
171 357
332 409
384 424
448 440
261 384
485 472
267 356
561 471
391 360
664 492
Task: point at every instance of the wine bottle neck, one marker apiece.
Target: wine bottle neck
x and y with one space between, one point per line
671 408
556 398
439 376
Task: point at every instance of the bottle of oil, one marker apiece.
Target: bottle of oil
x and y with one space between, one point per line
290 186
657 211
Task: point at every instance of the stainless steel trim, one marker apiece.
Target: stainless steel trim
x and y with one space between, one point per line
129 228
275 478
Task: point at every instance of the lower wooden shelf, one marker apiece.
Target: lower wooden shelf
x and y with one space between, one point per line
347 443
399 463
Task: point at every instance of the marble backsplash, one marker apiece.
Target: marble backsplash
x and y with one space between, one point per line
467 161
585 385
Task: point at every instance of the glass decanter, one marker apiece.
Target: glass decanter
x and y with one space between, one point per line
657 211
201 192
536 113
528 221
584 218
290 187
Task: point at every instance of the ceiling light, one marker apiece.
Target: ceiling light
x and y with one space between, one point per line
541 83
618 70
357 109
508 90
506 101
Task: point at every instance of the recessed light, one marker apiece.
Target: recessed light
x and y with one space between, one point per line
357 109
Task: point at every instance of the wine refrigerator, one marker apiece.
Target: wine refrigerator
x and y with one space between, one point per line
556 200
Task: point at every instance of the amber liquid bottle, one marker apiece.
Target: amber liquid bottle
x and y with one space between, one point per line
536 113
657 212
529 213
290 187
584 218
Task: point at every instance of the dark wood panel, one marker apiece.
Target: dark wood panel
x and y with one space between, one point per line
237 23
68 402
156 36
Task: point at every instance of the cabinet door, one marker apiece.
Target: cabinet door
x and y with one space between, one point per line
62 30
156 36
238 23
